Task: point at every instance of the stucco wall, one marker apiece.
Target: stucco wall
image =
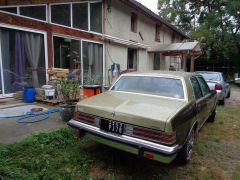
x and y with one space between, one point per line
118 24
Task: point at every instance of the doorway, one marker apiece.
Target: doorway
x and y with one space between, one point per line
132 59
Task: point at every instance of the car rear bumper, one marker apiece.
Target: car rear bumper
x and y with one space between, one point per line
138 146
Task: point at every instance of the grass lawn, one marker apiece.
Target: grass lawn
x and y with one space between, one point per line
60 155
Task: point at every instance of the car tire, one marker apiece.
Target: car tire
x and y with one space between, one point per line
229 94
221 102
211 118
185 153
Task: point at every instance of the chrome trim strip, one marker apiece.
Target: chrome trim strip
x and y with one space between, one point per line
168 150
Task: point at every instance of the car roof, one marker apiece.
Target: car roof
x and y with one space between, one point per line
209 72
174 74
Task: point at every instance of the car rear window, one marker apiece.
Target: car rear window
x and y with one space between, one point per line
211 76
160 86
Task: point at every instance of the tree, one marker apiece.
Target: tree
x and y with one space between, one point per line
216 23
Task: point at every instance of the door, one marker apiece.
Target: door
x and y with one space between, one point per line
22 60
132 59
200 100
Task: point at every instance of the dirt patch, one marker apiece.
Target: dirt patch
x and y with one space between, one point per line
234 99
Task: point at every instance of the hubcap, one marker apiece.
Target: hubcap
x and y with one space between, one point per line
190 145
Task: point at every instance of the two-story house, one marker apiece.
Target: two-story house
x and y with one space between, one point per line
86 37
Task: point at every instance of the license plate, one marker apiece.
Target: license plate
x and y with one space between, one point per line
112 126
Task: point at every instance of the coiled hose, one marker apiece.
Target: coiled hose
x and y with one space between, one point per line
24 119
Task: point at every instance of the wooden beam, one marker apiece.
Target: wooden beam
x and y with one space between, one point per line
192 63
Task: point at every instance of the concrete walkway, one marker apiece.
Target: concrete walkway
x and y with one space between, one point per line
11 131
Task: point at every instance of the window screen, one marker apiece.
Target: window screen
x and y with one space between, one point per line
80 16
96 17
60 14
37 12
196 88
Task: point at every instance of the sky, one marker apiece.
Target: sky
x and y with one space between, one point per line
150 4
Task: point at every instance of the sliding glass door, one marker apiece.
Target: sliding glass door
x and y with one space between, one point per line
22 60
82 58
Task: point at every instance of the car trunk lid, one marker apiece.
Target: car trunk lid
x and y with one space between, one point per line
137 109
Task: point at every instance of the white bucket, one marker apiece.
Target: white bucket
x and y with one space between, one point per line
49 93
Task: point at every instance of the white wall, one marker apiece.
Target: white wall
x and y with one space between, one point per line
118 24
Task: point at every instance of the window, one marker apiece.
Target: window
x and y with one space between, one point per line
157 35
80 16
204 86
133 22
196 88
23 60
156 62
60 14
132 59
9 9
160 86
211 76
37 12
92 61
67 55
96 17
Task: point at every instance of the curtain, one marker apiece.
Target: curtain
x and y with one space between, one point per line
90 59
33 47
19 62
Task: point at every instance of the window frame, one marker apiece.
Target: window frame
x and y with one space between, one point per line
193 88
45 49
71 15
81 42
209 92
28 5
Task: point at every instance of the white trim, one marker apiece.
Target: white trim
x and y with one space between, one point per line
81 62
32 31
89 17
71 15
1 70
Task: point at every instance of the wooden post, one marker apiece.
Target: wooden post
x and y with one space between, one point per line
192 63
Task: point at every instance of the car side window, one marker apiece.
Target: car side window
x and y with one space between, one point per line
196 88
204 86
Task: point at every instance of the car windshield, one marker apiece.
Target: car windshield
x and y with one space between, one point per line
211 76
160 86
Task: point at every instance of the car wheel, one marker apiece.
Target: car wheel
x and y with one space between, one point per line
221 102
211 118
185 154
229 94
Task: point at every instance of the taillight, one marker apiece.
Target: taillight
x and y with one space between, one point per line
156 136
89 119
218 87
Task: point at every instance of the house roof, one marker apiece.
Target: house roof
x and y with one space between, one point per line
178 48
138 6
